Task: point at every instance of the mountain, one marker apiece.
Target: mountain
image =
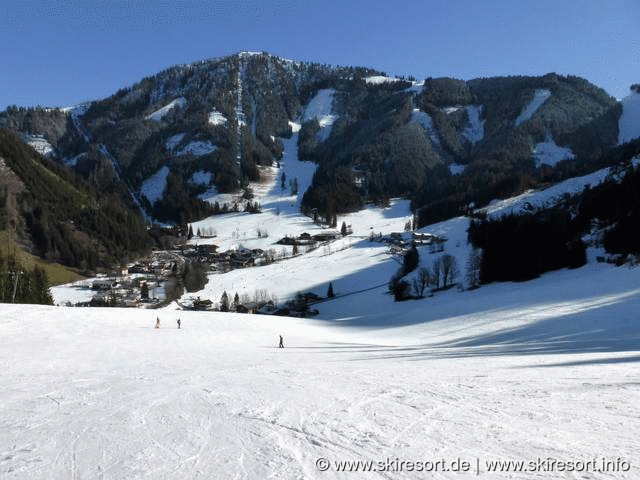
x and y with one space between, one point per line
49 210
212 126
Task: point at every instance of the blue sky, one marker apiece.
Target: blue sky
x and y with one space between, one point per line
58 53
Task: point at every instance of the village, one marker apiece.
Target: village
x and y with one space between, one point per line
159 279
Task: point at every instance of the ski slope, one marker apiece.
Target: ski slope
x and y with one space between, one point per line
543 369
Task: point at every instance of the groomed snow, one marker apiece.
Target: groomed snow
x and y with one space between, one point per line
320 107
380 79
474 130
513 372
549 153
629 123
153 187
159 114
425 121
539 97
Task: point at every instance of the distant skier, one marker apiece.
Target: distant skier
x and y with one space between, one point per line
157 322
178 323
281 345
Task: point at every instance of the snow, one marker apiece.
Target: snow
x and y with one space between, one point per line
415 88
456 168
539 97
450 110
425 121
198 148
549 153
39 144
510 371
217 118
548 197
543 369
295 127
201 177
173 141
380 79
474 130
153 187
629 123
159 114
320 107
73 161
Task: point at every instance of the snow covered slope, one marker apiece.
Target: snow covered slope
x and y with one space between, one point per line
629 123
320 107
511 372
162 112
539 97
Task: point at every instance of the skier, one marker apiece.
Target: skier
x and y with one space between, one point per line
281 345
157 322
178 323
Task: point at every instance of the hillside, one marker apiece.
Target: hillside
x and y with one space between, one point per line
212 125
51 212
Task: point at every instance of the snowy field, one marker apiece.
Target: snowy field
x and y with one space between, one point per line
510 372
537 372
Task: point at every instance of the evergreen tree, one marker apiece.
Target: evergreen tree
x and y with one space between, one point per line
224 302
330 293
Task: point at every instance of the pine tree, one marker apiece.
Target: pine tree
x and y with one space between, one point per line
224 302
330 293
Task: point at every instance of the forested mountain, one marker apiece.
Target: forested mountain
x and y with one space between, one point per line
54 213
212 124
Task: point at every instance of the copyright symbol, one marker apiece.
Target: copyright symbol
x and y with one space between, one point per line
322 464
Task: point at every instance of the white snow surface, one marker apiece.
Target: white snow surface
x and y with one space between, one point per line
173 141
217 118
197 148
539 97
549 153
629 123
159 114
456 168
380 79
474 130
511 372
201 177
39 144
532 200
320 107
153 186
425 121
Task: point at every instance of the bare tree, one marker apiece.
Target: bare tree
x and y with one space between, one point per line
437 271
449 269
422 281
